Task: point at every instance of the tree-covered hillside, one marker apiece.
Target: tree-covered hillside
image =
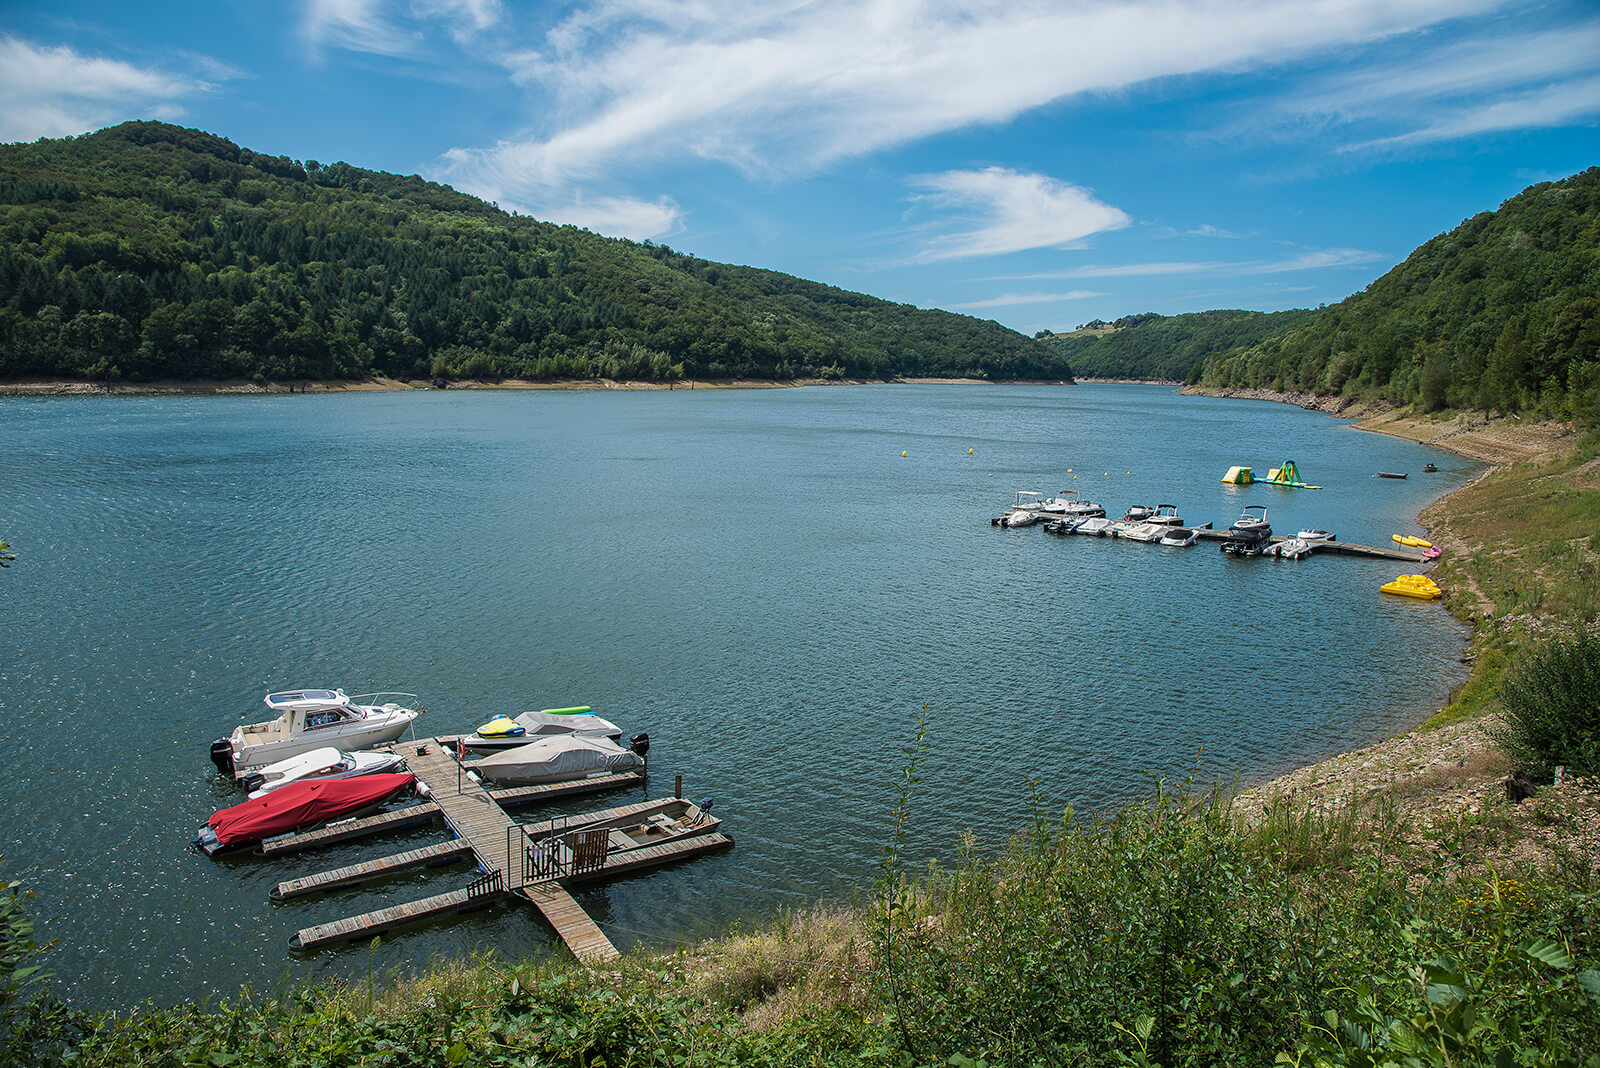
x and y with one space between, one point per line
1501 313
152 251
1169 348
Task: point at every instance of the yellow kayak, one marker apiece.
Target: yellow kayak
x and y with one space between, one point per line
1413 586
1407 539
502 727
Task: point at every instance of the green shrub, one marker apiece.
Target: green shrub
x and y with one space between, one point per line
1552 706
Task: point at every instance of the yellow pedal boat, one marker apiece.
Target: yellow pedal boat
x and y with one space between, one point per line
1407 539
1413 586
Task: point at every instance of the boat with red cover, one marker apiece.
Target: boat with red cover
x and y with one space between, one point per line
296 807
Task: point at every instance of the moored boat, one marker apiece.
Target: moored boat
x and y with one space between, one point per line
560 758
1412 541
1165 515
296 807
531 726
313 719
1068 503
569 844
1146 531
1313 537
1180 536
1250 533
1098 526
1138 513
1419 586
328 762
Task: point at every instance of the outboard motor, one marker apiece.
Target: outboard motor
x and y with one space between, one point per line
252 781
222 756
705 810
640 743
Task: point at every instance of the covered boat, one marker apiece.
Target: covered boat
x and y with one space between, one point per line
296 807
312 719
1180 536
325 763
557 759
546 723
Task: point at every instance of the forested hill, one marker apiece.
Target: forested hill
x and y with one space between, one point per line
1170 348
1501 313
151 251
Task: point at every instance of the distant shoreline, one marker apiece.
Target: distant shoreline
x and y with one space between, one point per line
247 387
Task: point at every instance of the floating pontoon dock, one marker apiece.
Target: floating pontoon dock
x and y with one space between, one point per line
510 866
1345 548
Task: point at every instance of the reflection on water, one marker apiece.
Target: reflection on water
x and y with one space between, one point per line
759 578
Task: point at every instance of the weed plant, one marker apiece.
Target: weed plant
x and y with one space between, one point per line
1552 706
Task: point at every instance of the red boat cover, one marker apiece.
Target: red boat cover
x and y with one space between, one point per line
301 804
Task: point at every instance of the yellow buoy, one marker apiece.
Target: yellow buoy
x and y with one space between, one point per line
969 452
902 452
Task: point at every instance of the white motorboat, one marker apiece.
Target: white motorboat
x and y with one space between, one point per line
1143 531
313 719
542 724
1068 503
1099 526
1314 537
559 758
329 762
1252 522
1166 515
1024 512
1180 536
1291 549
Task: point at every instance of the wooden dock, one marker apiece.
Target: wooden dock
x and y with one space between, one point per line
1342 548
500 846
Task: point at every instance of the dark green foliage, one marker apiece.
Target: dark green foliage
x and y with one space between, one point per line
150 251
1552 706
18 950
1168 348
1502 313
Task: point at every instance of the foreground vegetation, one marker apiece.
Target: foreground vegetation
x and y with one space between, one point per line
148 251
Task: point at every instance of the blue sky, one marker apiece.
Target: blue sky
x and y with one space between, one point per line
1042 164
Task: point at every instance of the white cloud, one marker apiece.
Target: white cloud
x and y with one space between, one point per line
614 216
1452 89
358 25
1012 211
1007 300
779 86
1313 260
56 92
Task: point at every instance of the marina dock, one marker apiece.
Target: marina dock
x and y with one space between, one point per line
530 863
1342 548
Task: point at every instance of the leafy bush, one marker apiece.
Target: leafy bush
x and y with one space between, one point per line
1552 706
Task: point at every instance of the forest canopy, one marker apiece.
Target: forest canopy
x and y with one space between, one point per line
148 251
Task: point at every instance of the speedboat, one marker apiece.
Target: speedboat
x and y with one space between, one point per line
1027 510
1138 513
506 733
1165 515
560 758
312 719
296 807
1098 526
1180 536
1068 503
325 763
1291 549
1313 537
1146 531
1250 533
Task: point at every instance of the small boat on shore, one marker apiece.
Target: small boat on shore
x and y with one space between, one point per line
297 807
1413 542
313 719
325 763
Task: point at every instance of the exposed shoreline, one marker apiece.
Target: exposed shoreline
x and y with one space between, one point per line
248 387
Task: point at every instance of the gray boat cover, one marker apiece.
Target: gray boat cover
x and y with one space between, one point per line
554 759
541 724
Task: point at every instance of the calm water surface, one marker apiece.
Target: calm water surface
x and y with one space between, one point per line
758 578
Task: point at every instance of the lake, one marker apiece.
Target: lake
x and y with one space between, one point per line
775 584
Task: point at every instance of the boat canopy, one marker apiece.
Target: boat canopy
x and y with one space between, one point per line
302 804
558 757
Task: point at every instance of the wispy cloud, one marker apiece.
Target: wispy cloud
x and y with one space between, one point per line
54 92
1007 300
615 216
385 28
1447 89
1314 260
777 87
1003 211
